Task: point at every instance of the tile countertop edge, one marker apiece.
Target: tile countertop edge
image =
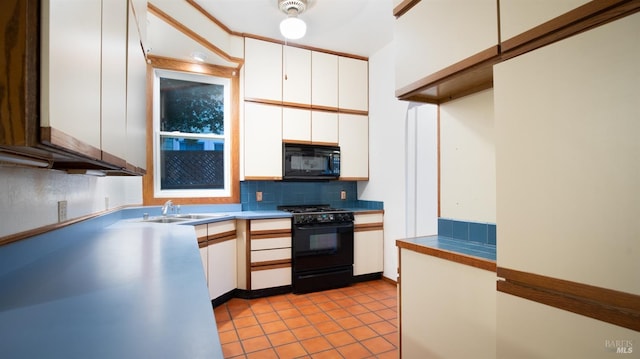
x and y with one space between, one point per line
432 250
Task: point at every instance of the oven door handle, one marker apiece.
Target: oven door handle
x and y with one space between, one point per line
333 225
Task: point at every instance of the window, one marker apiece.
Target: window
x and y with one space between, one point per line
193 141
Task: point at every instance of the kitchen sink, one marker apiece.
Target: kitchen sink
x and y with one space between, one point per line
183 217
199 216
165 220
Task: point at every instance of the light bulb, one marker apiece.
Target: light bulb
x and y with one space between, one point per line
293 28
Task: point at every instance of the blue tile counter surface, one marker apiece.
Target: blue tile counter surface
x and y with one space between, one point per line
472 253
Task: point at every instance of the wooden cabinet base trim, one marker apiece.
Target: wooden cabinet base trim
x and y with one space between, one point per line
611 306
56 138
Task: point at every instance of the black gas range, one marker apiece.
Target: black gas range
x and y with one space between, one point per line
322 247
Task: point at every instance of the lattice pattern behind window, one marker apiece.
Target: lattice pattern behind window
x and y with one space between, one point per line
193 170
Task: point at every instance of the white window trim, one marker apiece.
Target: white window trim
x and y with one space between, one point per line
191 193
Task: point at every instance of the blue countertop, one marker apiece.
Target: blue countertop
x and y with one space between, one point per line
466 252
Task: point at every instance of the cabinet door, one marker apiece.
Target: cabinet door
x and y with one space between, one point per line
296 75
296 125
71 74
114 80
262 141
324 80
517 16
353 84
435 34
222 268
354 146
324 127
262 70
368 252
136 98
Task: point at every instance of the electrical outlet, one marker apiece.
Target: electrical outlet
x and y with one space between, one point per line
106 203
62 211
259 196
343 195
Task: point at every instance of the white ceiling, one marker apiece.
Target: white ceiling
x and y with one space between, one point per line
359 27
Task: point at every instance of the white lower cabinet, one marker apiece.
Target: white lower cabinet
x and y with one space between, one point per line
222 267
217 242
368 243
270 241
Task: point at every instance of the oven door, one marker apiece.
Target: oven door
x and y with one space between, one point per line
321 246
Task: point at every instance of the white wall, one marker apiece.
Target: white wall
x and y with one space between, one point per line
467 159
29 197
402 160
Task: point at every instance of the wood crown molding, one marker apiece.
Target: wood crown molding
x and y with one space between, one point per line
192 34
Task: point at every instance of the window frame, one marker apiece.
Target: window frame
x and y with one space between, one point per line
151 193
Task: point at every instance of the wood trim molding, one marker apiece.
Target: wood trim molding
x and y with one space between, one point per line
274 233
221 237
607 305
316 49
192 34
158 62
51 227
56 138
468 74
274 264
582 18
403 7
212 18
306 106
364 227
448 255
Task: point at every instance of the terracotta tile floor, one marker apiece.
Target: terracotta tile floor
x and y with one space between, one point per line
359 321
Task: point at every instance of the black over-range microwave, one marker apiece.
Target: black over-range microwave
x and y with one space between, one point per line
310 162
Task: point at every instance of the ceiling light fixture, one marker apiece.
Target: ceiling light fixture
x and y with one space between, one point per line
292 27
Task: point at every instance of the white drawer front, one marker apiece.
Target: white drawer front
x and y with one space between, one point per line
270 255
271 243
368 218
270 224
270 278
221 227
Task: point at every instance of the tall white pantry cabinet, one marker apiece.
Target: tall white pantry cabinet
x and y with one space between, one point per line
302 96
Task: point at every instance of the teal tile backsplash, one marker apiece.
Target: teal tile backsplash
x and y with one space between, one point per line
276 193
468 231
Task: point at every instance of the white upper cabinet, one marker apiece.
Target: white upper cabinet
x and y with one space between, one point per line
296 125
353 84
114 78
354 146
518 16
296 75
324 128
263 70
435 34
136 97
324 80
262 141
71 69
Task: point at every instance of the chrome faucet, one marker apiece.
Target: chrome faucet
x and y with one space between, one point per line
165 207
